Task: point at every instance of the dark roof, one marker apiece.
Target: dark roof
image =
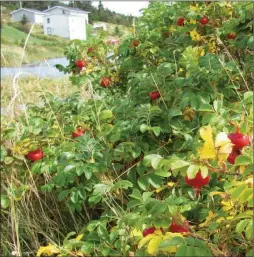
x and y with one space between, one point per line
67 8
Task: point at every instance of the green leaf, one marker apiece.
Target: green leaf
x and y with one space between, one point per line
106 114
153 160
63 194
143 182
237 192
181 251
156 130
136 195
174 112
217 104
155 181
205 108
125 184
172 242
243 160
240 227
5 201
144 128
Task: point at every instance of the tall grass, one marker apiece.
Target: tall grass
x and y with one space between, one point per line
33 218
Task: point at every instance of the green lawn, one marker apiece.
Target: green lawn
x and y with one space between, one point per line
13 35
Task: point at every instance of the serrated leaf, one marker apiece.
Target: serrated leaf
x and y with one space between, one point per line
153 245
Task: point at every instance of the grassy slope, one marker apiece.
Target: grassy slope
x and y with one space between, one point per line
12 44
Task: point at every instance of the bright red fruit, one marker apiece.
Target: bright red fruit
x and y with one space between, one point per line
154 95
198 181
78 133
80 64
148 231
135 43
239 139
232 156
35 155
105 82
231 36
204 20
176 228
180 21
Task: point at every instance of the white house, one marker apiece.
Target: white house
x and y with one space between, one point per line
33 16
65 22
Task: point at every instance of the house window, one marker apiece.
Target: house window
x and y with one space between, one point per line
48 20
49 31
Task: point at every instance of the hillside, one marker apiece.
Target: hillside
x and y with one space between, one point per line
39 46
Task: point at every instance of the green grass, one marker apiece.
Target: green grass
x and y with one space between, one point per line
39 46
34 87
13 35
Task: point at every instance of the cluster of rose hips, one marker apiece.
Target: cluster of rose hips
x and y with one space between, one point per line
174 228
239 141
38 154
203 21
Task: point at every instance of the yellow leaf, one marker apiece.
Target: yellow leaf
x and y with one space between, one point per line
242 168
48 250
158 190
193 21
195 36
79 237
208 150
171 184
194 8
210 217
136 233
144 240
153 245
79 253
172 28
188 113
219 220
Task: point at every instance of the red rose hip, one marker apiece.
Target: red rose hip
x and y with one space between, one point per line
204 20
105 82
135 43
198 181
148 231
35 155
232 156
154 95
177 228
180 22
80 64
78 133
239 140
231 36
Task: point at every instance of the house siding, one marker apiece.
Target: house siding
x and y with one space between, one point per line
59 25
77 27
32 17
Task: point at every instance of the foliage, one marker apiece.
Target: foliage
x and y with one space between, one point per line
24 20
126 173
